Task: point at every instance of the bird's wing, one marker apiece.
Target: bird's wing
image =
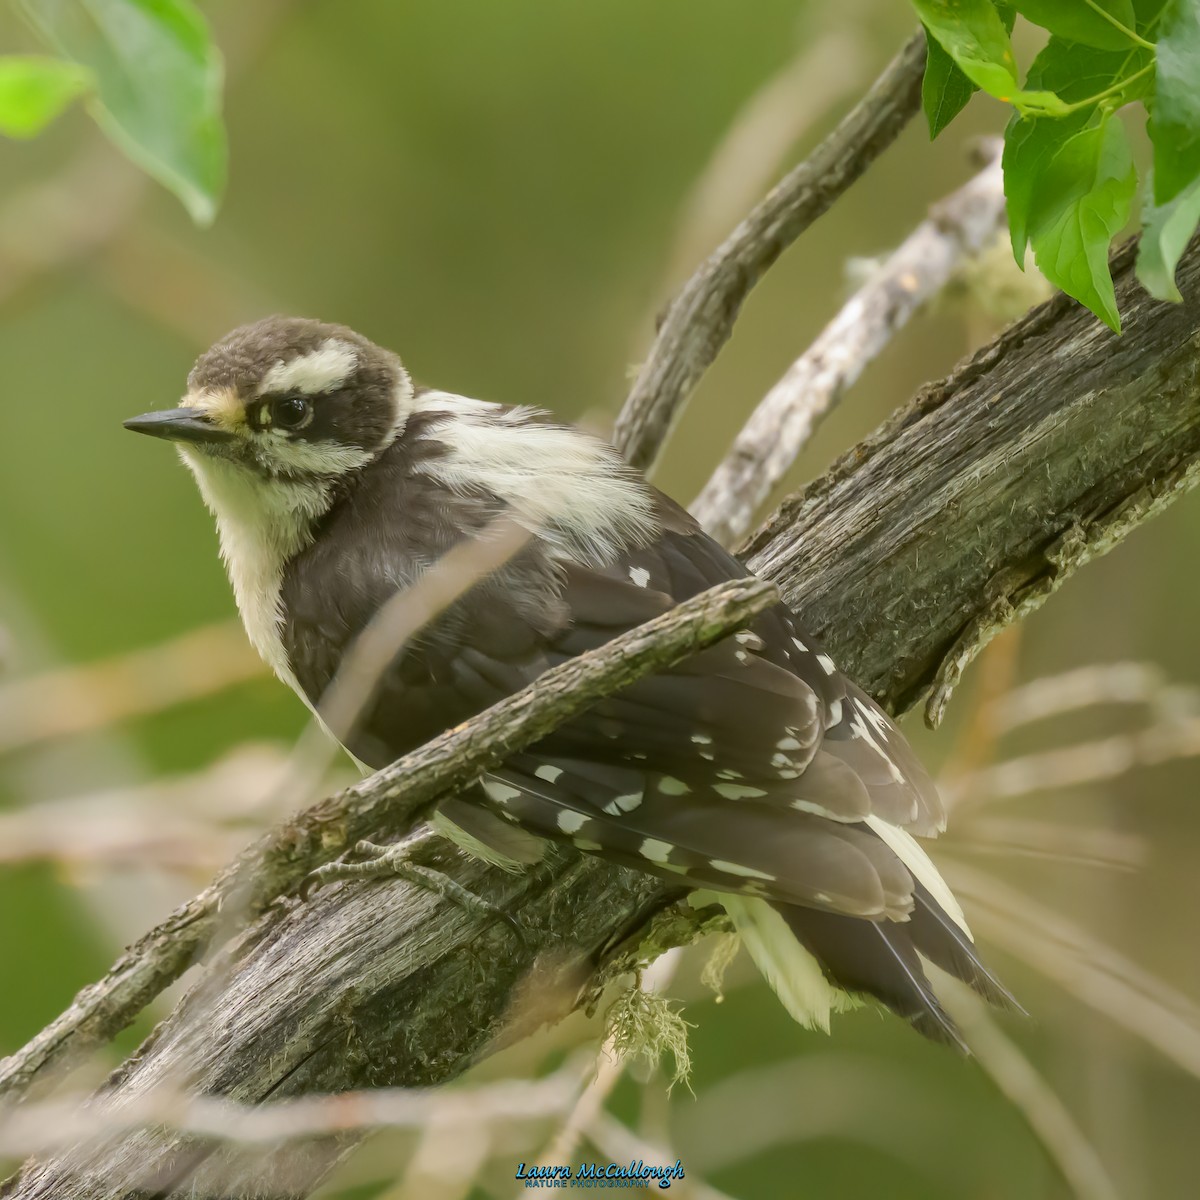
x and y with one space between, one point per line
752 766
755 768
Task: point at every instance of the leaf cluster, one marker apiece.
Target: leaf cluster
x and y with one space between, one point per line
150 76
1070 174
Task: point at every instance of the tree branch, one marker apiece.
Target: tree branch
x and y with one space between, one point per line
975 502
700 319
957 228
68 701
389 802
1037 454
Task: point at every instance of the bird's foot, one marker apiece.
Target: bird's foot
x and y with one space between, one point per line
394 861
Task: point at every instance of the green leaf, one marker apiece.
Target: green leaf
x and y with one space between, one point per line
1175 122
33 91
1081 202
158 78
1148 12
1166 231
1029 144
972 33
1084 20
1076 73
945 90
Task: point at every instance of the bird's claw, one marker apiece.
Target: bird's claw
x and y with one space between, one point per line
386 862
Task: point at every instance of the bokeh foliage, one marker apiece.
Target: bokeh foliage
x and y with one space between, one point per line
493 189
153 76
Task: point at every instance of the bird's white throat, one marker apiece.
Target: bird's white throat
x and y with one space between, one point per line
261 523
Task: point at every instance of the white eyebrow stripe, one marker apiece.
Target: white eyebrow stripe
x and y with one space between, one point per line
326 367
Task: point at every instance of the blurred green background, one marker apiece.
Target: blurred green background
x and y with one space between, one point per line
497 191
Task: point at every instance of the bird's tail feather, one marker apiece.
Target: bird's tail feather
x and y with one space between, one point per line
819 962
878 958
944 942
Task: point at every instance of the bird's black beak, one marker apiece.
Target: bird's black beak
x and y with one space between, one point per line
178 425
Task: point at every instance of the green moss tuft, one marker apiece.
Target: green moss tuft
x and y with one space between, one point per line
644 1025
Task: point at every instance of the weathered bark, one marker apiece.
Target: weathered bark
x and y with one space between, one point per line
390 801
972 504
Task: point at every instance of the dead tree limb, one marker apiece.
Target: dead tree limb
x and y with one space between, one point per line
772 438
700 319
980 497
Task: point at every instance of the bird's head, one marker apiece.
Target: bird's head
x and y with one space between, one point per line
284 417
286 400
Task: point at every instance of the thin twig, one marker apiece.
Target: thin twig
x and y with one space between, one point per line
1083 763
610 1067
1081 965
744 163
445 1162
194 822
174 281
786 418
1007 837
620 1144
42 1126
54 222
700 319
390 801
365 663
1086 687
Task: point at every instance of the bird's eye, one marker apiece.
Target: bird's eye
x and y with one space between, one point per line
290 412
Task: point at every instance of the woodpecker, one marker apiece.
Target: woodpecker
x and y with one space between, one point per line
755 769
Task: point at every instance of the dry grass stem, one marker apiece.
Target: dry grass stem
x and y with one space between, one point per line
1075 1158
75 700
1090 762
41 1127
1085 687
1005 837
1086 968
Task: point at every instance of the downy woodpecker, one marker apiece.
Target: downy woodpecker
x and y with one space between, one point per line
754 769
